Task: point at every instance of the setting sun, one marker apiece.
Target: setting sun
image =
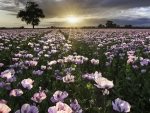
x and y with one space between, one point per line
72 19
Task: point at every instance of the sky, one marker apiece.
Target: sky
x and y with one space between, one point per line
87 12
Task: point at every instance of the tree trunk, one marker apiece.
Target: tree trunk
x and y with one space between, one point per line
33 26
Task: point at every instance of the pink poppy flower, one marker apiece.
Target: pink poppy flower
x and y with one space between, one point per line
121 105
60 108
15 59
52 62
143 70
39 97
129 60
105 92
59 96
2 84
130 53
53 51
2 101
28 56
32 63
7 74
27 83
16 92
1 64
38 72
43 67
78 61
4 108
75 107
103 83
144 62
95 61
68 78
60 60
58 78
26 108
132 59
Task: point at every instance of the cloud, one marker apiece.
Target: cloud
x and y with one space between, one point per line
54 24
10 5
121 22
59 8
125 4
92 11
134 22
14 14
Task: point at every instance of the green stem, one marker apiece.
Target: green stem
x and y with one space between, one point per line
104 104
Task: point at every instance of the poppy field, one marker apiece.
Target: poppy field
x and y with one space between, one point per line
75 71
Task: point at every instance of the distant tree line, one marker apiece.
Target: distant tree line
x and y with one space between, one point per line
111 24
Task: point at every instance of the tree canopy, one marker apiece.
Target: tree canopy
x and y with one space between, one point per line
128 26
101 26
110 24
31 14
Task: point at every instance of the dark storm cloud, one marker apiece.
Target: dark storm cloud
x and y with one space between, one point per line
9 5
134 22
125 4
56 8
121 22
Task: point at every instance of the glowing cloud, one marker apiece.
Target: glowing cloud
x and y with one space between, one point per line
72 19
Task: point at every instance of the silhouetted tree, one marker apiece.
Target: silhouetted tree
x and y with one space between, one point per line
109 24
31 14
128 26
114 25
52 27
22 27
118 26
101 26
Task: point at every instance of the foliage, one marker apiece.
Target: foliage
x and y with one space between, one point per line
110 24
128 26
101 26
31 14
